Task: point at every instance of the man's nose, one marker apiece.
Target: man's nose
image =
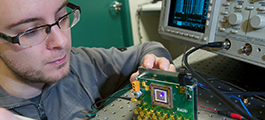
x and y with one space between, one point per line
57 38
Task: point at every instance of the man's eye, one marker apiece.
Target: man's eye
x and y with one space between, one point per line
34 34
64 20
30 33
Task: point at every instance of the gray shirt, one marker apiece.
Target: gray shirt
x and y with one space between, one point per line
95 74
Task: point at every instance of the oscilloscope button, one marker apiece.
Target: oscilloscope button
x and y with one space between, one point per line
204 38
262 8
235 18
250 7
221 29
210 1
223 21
225 12
186 34
196 37
207 23
226 4
208 15
234 31
238 6
209 9
181 33
257 21
191 35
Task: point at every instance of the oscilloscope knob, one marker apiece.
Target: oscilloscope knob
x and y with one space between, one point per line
235 18
257 21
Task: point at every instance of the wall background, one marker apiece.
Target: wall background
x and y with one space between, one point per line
149 21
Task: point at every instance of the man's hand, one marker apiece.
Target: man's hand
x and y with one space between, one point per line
7 115
151 61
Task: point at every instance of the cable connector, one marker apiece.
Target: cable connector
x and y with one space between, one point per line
225 45
231 115
216 44
134 100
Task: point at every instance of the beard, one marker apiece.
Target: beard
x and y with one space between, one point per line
27 74
37 76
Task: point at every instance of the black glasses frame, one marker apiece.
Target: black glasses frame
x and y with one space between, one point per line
15 39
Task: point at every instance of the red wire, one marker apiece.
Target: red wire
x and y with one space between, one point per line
237 116
207 108
232 115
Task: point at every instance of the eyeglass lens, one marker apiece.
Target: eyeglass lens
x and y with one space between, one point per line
36 36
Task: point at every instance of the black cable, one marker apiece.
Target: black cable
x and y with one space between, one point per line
107 100
139 24
227 83
212 88
234 93
155 1
93 114
139 13
125 98
244 92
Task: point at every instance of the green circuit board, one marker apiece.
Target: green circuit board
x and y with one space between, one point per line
163 98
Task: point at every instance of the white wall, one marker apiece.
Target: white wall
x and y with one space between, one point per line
149 21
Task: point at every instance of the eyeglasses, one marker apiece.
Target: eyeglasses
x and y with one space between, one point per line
39 34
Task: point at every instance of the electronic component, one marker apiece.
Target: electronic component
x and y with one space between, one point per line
135 86
163 98
161 95
239 23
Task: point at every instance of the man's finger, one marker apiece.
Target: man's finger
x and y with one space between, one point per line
7 115
172 68
149 60
133 76
162 63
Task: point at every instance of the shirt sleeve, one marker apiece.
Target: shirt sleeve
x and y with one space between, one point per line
113 66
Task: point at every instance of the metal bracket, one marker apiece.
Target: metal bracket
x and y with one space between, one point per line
116 5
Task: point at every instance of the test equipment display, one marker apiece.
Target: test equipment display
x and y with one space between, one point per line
240 23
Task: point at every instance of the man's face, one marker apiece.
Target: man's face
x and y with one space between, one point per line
46 62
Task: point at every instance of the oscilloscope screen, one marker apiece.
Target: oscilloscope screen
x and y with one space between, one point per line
188 14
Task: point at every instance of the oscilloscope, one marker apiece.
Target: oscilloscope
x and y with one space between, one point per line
240 23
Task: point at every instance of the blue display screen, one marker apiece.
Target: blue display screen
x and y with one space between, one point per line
188 14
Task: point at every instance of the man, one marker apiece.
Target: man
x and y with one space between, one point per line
42 77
